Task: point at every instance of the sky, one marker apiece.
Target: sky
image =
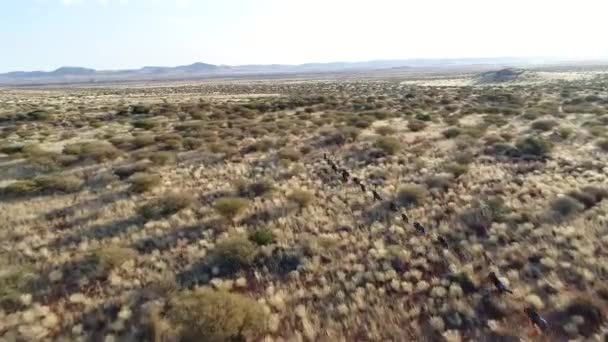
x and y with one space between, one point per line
120 34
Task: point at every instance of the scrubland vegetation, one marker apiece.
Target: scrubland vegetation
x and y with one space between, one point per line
208 213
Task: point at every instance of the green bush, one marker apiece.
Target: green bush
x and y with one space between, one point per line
423 117
11 149
411 194
234 253
451 132
262 236
216 316
389 145
230 207
566 206
21 188
166 205
602 144
532 145
144 181
301 198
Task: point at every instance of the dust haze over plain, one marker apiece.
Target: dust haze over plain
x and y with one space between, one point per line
120 34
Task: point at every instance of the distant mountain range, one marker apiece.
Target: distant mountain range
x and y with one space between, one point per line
204 70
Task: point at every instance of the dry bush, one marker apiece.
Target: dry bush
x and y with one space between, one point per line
589 196
385 130
166 205
451 132
262 236
11 149
109 257
290 154
254 189
144 181
192 143
440 181
301 198
411 194
456 169
162 158
96 150
143 140
15 280
44 184
230 207
543 125
389 145
416 125
216 316
59 183
127 170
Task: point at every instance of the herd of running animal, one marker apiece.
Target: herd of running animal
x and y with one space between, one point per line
536 319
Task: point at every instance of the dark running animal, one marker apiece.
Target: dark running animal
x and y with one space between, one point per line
405 218
537 319
498 284
419 228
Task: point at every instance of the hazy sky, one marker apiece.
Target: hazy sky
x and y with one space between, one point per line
111 34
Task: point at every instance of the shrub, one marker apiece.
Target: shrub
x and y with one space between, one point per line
96 150
423 117
290 154
477 218
162 158
456 169
230 207
254 189
566 206
451 132
58 183
192 143
411 194
262 236
416 125
110 257
385 130
602 144
166 205
389 145
301 198
21 188
440 181
234 253
127 170
144 181
533 145
143 140
216 316
11 149
15 280
543 125
146 124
